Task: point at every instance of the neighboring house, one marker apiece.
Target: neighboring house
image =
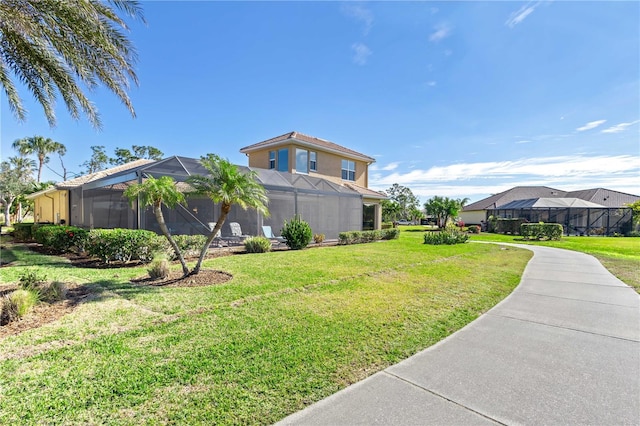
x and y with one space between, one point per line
330 204
53 205
585 212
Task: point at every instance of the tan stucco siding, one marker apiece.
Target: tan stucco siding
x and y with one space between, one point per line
52 207
329 165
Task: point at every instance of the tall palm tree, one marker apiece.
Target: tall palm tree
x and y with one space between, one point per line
53 47
227 185
155 192
41 147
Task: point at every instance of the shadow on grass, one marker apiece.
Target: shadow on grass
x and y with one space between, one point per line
7 256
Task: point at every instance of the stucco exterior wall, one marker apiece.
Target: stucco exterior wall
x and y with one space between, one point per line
52 207
329 165
473 217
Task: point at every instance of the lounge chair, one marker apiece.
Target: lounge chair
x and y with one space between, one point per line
269 234
236 232
217 240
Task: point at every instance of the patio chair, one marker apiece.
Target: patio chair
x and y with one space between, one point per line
236 232
266 229
217 240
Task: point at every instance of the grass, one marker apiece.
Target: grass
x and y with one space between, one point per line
620 255
291 328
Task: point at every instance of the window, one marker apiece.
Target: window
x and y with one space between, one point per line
302 160
272 159
283 160
313 164
348 170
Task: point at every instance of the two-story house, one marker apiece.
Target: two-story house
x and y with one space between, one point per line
298 153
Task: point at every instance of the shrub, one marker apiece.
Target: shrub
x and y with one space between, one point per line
30 280
8 310
52 292
23 231
474 229
23 300
159 268
541 231
123 245
190 245
358 237
297 233
60 238
446 237
257 245
318 238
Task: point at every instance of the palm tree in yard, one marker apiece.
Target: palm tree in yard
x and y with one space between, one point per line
227 185
41 147
156 192
55 48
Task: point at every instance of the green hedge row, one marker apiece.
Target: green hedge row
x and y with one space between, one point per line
446 237
61 238
541 231
357 237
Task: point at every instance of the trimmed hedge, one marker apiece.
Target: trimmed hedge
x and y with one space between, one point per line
541 231
447 237
123 245
61 238
23 231
359 237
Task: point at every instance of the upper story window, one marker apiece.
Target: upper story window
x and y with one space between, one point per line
302 160
272 159
283 160
313 161
348 170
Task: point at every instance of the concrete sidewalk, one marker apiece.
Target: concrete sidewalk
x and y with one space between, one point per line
563 348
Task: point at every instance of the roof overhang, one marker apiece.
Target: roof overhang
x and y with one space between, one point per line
41 193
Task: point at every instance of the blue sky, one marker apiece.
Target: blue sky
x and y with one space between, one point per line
461 99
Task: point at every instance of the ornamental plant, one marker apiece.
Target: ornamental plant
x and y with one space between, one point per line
297 233
257 245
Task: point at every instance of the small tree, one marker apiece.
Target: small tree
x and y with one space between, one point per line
15 179
390 210
155 192
227 185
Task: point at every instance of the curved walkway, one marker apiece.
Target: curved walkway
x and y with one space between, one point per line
563 348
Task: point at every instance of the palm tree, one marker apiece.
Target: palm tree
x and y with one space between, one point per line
53 47
41 147
155 192
227 185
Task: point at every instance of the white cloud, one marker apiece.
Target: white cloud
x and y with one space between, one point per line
561 166
390 166
521 14
591 125
360 13
523 141
620 127
441 31
361 53
431 83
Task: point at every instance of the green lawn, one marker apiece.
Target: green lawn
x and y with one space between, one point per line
289 329
621 256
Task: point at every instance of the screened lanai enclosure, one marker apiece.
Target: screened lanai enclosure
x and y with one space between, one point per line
329 208
578 217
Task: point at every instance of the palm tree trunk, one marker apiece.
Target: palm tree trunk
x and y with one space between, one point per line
224 211
157 210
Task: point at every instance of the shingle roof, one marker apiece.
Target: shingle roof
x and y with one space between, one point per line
80 180
310 141
606 197
513 194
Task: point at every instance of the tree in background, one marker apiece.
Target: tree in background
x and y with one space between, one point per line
444 208
54 47
124 156
15 179
404 198
415 214
155 192
41 147
98 160
227 185
390 210
635 209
